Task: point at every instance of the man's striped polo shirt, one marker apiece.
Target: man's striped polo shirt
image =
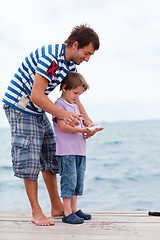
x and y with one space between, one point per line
50 62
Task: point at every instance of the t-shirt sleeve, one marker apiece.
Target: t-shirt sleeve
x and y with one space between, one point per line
47 66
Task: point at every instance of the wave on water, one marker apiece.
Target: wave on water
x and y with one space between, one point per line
114 142
5 168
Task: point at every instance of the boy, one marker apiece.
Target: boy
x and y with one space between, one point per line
71 148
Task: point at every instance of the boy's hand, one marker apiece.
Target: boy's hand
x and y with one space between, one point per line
92 131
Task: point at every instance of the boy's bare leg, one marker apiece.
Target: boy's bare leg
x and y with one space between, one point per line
74 203
50 180
37 215
67 206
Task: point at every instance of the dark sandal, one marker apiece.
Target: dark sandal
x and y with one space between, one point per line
83 215
72 219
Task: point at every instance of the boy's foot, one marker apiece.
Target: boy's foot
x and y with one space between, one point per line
83 215
72 219
41 220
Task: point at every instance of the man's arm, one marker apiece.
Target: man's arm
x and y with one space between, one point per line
41 100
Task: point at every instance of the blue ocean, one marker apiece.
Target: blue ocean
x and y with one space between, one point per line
123 170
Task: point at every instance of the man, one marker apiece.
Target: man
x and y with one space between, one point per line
25 103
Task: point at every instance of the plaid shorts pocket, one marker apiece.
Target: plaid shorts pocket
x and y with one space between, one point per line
20 153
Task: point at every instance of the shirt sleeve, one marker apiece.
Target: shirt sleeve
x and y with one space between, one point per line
47 66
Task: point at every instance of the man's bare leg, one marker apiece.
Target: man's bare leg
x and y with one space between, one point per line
37 215
50 180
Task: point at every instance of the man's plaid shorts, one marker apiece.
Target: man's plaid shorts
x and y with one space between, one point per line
32 144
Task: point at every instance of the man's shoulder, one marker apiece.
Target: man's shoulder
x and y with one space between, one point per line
50 49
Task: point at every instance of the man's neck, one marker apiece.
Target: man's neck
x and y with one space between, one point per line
68 53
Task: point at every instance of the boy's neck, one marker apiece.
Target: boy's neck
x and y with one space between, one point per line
62 96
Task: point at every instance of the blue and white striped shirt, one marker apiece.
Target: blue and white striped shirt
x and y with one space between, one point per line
50 62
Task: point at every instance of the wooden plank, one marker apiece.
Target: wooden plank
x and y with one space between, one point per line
104 225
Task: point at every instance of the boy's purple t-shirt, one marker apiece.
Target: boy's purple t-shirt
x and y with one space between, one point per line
69 143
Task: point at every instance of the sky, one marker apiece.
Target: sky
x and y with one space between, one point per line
124 74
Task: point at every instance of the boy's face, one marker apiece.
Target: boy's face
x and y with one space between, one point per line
82 54
71 95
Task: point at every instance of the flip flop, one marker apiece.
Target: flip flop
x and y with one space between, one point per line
83 215
72 219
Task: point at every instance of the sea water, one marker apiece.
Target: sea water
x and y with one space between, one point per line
123 170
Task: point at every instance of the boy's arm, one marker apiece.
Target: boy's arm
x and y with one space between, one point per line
87 120
69 129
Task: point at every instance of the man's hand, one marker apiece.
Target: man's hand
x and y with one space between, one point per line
72 119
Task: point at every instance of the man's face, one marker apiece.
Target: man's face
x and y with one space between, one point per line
82 54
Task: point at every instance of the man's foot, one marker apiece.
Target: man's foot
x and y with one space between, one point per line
55 212
41 220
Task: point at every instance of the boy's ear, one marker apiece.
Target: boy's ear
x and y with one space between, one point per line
64 88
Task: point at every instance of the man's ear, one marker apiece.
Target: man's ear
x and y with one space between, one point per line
75 45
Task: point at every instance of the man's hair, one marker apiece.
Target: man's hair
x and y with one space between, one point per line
74 80
84 35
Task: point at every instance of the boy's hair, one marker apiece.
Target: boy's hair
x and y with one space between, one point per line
84 35
74 80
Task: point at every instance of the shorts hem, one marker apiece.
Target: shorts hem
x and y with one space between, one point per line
70 196
48 169
35 177
78 194
67 196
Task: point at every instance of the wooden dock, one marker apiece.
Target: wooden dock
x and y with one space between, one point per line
119 225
